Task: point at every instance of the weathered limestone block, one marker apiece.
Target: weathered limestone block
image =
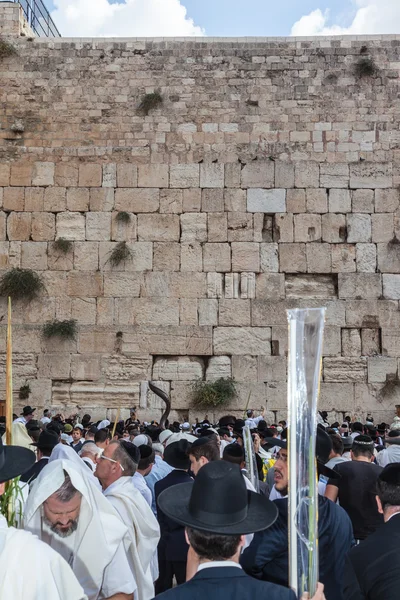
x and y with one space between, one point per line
245 368
371 175
18 226
3 225
269 258
43 226
343 258
214 285
34 256
351 342
284 174
105 311
335 175
235 200
334 228
389 257
270 286
358 228
218 227
339 201
184 176
154 401
283 228
247 285
90 175
100 199
391 286
171 201
5 174
153 176
191 200
292 258
382 227
387 200
217 257
148 311
234 313
159 228
271 368
317 200
258 175
21 174
362 201
125 368
96 341
78 199
211 175
296 201
84 310
307 228
212 200
351 370
277 396
319 258
70 226
240 227
43 173
137 200
127 175
81 283
266 201
188 311
191 257
166 256
24 365
360 285
242 340
208 311
310 286
121 231
258 396
181 341
34 198
85 256
179 368
54 366
55 199
390 342
66 174
86 367
98 226
232 175
336 396
245 256
381 368
14 198
218 366
370 342
122 284
306 175
193 227
181 396
366 258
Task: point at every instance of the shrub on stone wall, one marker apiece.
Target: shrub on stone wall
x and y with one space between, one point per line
66 330
121 253
21 284
6 49
62 245
213 394
149 102
24 392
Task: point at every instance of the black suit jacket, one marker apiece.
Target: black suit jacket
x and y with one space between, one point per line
230 583
372 569
172 545
34 470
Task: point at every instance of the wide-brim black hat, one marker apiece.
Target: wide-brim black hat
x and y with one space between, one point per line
14 461
176 454
218 502
48 439
27 410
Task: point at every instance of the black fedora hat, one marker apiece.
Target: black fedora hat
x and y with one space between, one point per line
48 439
14 461
176 454
218 502
27 410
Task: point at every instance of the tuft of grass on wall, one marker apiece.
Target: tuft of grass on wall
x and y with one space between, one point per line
365 67
6 49
21 284
65 330
213 394
24 392
150 102
62 245
120 254
123 217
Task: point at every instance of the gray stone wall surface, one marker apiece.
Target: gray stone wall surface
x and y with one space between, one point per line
268 178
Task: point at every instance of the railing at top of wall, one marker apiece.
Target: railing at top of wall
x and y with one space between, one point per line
38 18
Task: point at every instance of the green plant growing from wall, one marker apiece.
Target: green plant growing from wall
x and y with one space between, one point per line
365 67
65 330
121 253
62 245
213 394
24 392
6 49
123 217
21 284
150 102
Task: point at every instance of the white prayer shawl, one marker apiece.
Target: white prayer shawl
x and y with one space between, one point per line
389 455
100 530
31 570
143 529
63 452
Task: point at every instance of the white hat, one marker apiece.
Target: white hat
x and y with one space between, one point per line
164 435
185 426
78 426
175 437
141 440
103 424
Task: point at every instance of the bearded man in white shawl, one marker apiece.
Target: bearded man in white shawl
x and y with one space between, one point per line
67 511
115 469
29 569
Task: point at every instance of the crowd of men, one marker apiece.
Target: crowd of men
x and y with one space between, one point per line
130 511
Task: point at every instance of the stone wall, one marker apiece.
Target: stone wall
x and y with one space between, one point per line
267 179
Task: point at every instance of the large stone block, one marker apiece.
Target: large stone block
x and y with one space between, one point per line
270 286
84 310
307 228
258 175
193 227
70 226
358 228
317 200
362 201
234 312
34 198
387 200
284 174
191 200
184 176
271 368
382 227
292 258
266 201
122 284
148 311
90 175
55 199
351 342
360 285
269 255
137 200
235 200
159 228
310 286
18 226
216 257
171 201
319 257
179 368
381 368
339 201
371 175
242 340
218 227
208 311
245 256
334 228
43 173
43 226
78 199
81 283
54 366
34 256
334 175
66 174
85 256
218 366
153 176
167 256
240 227
211 175
85 368
14 198
98 226
180 341
391 287
127 175
343 258
346 370
366 258
100 199
306 175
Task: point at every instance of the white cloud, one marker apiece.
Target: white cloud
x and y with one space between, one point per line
371 17
129 18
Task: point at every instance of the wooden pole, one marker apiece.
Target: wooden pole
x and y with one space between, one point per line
115 423
9 380
247 405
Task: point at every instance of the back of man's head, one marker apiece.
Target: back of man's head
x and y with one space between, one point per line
206 447
388 487
337 444
234 453
357 426
363 446
101 437
128 456
213 546
89 449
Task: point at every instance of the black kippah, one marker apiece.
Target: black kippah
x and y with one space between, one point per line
201 442
234 450
391 474
131 449
364 441
145 451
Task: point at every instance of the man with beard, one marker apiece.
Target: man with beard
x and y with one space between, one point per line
67 511
267 556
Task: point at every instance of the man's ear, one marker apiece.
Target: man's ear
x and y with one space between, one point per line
203 460
379 505
186 537
2 488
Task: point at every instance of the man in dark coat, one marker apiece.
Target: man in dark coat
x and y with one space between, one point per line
218 512
267 556
372 569
47 441
172 548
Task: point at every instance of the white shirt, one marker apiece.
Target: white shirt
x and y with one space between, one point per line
45 420
218 563
254 421
21 420
140 484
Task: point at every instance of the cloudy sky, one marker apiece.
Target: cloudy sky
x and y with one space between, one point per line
130 18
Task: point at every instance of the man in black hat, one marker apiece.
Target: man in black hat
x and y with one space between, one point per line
355 487
217 512
26 415
267 556
45 444
172 549
390 454
373 568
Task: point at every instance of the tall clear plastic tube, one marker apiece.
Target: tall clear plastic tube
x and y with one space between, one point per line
306 330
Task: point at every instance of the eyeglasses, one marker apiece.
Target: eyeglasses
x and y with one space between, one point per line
112 460
282 457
